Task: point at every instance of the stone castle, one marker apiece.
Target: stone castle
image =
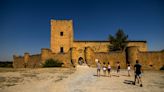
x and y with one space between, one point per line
64 48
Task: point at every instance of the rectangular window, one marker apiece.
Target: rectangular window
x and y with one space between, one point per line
61 49
61 33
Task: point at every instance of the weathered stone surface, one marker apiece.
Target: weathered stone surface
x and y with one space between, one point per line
64 48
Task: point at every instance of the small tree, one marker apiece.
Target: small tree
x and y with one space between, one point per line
119 41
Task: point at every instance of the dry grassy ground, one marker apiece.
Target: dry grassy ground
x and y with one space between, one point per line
84 79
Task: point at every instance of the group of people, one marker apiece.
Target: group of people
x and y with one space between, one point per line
107 68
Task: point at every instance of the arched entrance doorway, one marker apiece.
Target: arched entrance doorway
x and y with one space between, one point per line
80 60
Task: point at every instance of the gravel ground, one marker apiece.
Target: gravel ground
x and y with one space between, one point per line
81 79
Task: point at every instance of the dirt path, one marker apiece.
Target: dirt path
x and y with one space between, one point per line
84 79
31 80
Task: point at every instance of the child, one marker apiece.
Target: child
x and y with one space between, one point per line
128 68
98 68
109 69
104 69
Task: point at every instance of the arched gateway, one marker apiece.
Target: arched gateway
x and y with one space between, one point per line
80 61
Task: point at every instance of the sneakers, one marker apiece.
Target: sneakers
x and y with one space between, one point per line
140 84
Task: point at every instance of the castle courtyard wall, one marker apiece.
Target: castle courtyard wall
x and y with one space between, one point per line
34 61
63 57
148 59
103 46
64 48
142 45
97 46
151 59
18 62
112 58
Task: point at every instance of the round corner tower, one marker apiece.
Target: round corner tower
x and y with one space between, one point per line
61 35
132 54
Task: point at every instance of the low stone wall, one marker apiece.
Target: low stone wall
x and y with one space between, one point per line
151 59
18 62
148 59
63 57
34 61
113 58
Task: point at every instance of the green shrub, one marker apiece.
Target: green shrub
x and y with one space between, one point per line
52 63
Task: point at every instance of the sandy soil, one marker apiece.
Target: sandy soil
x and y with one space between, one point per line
84 79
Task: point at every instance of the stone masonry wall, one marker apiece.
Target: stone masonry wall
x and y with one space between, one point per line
151 59
96 46
34 61
142 45
65 40
102 46
113 58
18 62
63 57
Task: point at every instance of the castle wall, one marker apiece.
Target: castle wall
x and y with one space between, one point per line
45 54
151 59
113 58
63 57
90 56
27 61
34 61
18 62
142 45
65 49
96 46
148 59
132 54
102 46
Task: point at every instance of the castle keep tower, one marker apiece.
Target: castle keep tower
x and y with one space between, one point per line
61 36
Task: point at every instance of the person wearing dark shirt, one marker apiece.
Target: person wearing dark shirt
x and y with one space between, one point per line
138 71
118 68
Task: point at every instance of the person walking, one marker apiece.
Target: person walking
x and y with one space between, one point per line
98 68
138 70
104 69
128 69
109 69
118 68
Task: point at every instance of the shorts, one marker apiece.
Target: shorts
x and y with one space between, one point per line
104 69
138 74
108 70
98 69
128 69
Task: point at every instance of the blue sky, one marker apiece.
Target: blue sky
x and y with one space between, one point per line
25 24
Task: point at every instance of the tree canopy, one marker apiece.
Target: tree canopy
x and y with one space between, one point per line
118 41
